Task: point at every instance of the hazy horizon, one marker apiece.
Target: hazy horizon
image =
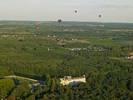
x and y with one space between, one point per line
52 10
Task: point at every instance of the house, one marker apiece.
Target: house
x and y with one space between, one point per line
68 80
130 57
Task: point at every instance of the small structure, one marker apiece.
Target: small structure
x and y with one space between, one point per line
48 49
39 83
68 80
130 57
33 86
61 43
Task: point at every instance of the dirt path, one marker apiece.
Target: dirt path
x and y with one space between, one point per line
20 77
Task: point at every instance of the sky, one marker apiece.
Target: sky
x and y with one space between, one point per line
52 10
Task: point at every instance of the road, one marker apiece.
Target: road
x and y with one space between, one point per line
20 77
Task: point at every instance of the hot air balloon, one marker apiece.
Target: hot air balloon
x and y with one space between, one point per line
99 16
76 11
59 20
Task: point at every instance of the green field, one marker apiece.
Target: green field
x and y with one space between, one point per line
48 51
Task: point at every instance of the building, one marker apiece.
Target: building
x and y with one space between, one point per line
130 57
68 80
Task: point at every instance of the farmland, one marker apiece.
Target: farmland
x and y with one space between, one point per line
47 51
